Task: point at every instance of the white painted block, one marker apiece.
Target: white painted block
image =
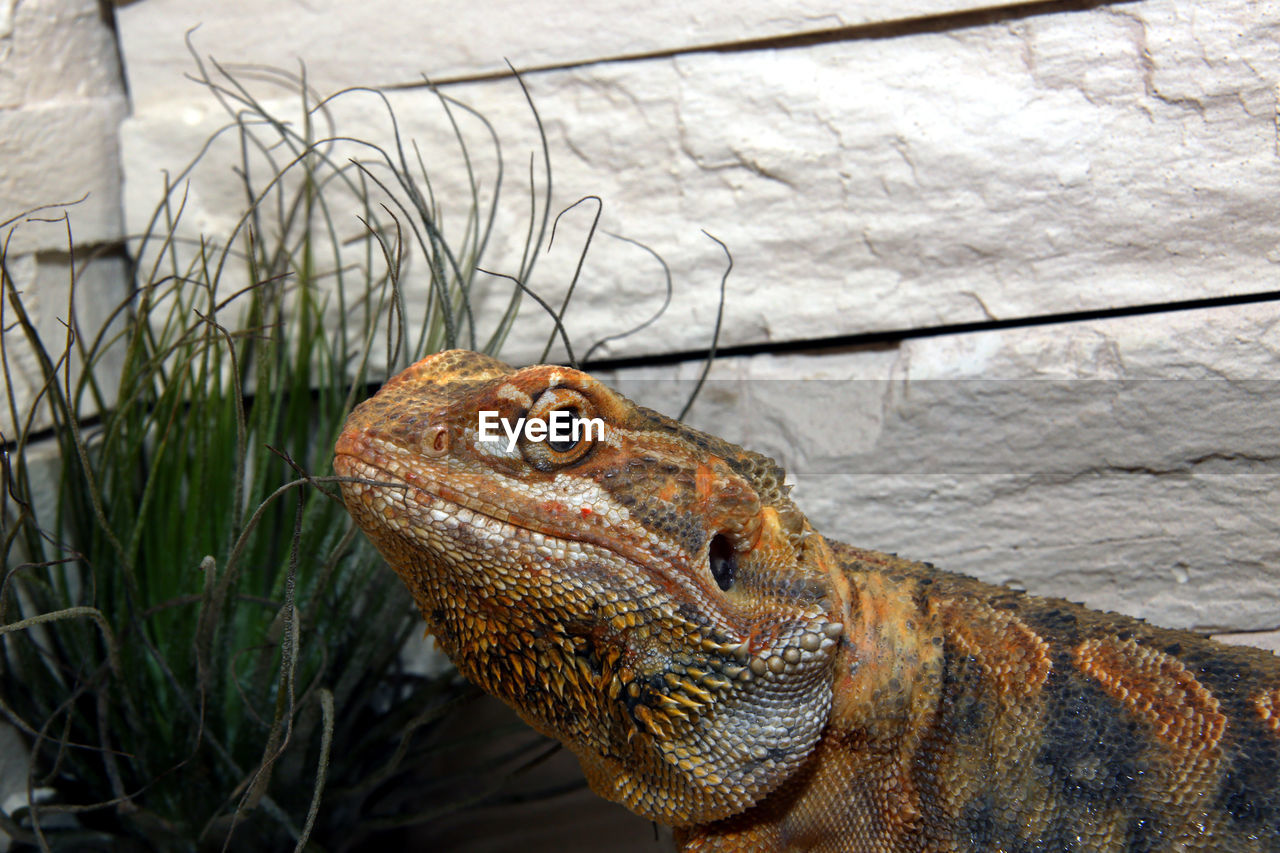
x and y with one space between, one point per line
1261 639
1129 463
939 178
56 50
387 42
57 152
44 282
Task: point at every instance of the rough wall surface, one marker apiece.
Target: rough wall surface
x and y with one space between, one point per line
883 173
61 100
61 103
989 171
889 179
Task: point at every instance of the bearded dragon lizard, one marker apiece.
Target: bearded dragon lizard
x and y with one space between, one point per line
650 596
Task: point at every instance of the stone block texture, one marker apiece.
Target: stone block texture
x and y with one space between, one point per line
899 171
881 184
61 103
389 42
991 265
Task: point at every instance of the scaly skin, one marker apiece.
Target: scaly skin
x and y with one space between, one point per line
653 599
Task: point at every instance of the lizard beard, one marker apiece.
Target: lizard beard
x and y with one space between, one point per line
680 719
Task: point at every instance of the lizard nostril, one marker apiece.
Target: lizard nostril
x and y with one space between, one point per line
435 441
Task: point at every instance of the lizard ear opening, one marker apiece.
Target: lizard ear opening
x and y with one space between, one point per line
723 561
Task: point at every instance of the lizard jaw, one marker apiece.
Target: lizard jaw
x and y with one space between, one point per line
714 715
581 590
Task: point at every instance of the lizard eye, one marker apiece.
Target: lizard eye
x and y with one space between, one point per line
723 561
567 439
571 429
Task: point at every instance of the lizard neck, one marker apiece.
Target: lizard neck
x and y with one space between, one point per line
890 663
887 682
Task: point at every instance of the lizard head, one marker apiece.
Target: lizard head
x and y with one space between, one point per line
643 592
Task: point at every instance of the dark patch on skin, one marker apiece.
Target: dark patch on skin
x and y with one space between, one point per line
1145 833
979 829
674 522
1246 789
590 653
802 590
962 710
1091 748
631 702
1064 830
569 718
1217 664
1057 620
967 713
920 598
690 613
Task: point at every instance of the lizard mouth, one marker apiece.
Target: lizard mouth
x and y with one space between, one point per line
491 560
371 489
463 524
372 463
378 470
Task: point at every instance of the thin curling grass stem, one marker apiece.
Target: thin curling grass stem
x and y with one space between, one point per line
196 644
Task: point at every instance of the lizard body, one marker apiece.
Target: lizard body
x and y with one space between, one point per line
652 598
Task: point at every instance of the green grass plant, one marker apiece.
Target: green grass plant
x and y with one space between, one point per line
196 645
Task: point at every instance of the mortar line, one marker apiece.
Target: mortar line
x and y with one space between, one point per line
874 30
894 336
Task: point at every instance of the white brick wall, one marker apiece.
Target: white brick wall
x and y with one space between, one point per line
881 184
61 99
889 179
389 43
886 178
61 102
